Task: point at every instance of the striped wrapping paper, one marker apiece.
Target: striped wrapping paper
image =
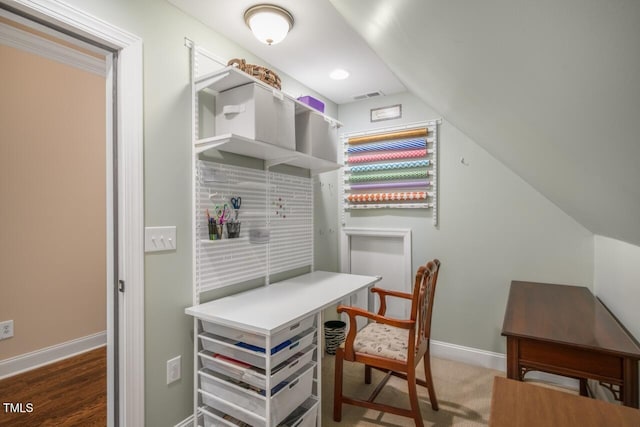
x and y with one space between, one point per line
399 184
406 175
394 155
389 135
390 166
399 144
387 197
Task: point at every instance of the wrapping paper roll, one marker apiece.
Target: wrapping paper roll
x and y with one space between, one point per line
400 184
407 154
390 166
400 144
387 197
386 136
406 175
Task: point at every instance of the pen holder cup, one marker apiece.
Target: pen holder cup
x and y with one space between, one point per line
233 230
215 231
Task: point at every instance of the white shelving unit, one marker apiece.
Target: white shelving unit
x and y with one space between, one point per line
271 154
260 370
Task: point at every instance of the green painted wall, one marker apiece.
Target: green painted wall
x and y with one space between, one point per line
493 228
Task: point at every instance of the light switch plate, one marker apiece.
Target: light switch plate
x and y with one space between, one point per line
160 239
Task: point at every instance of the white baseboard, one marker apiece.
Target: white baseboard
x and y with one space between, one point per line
491 360
35 359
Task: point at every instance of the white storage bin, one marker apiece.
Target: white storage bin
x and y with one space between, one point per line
316 136
256 339
257 112
256 376
304 416
245 404
227 347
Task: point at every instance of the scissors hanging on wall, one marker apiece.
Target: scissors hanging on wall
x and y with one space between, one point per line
236 202
222 213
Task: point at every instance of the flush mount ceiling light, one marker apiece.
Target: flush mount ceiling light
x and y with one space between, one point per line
269 23
339 74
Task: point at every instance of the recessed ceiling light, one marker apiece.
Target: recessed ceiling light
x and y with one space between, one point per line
339 74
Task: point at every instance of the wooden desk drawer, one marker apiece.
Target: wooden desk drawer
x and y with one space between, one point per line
571 361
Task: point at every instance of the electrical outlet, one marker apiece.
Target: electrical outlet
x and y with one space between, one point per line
173 369
6 329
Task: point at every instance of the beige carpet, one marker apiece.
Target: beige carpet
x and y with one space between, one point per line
463 392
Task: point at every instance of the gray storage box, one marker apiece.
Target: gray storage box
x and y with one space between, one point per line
316 136
258 113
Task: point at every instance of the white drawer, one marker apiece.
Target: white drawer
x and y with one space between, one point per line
214 418
228 348
253 375
304 416
259 340
249 405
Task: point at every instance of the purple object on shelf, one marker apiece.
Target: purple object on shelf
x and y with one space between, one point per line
312 102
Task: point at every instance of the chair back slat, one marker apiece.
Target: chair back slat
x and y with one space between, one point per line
422 304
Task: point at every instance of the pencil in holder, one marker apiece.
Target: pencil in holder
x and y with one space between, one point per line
215 231
233 230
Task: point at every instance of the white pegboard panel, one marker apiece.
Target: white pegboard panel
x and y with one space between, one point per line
229 261
291 222
281 203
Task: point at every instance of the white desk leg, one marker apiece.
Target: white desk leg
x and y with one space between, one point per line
320 350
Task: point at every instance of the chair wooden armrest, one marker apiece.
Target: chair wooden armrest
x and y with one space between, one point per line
354 312
395 346
383 293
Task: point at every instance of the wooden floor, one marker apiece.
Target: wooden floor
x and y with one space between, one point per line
72 392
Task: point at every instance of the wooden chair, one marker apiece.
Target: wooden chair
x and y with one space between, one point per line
391 345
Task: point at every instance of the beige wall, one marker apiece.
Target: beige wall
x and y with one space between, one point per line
52 202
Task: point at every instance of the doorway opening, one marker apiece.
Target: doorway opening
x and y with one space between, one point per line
119 54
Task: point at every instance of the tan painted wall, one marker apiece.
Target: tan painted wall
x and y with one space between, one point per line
52 202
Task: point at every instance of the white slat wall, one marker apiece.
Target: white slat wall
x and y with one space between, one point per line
291 222
229 261
282 203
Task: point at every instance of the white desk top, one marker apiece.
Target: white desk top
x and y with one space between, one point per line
267 309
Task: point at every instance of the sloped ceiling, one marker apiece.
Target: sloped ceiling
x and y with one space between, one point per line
551 88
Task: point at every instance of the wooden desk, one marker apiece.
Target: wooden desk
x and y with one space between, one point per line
518 404
565 330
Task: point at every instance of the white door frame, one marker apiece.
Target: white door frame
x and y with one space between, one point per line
129 163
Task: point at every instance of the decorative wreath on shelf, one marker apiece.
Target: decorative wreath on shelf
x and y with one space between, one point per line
259 72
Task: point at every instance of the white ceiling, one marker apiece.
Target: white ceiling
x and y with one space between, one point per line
319 42
550 88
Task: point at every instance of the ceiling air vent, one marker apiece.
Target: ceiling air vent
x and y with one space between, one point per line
368 95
